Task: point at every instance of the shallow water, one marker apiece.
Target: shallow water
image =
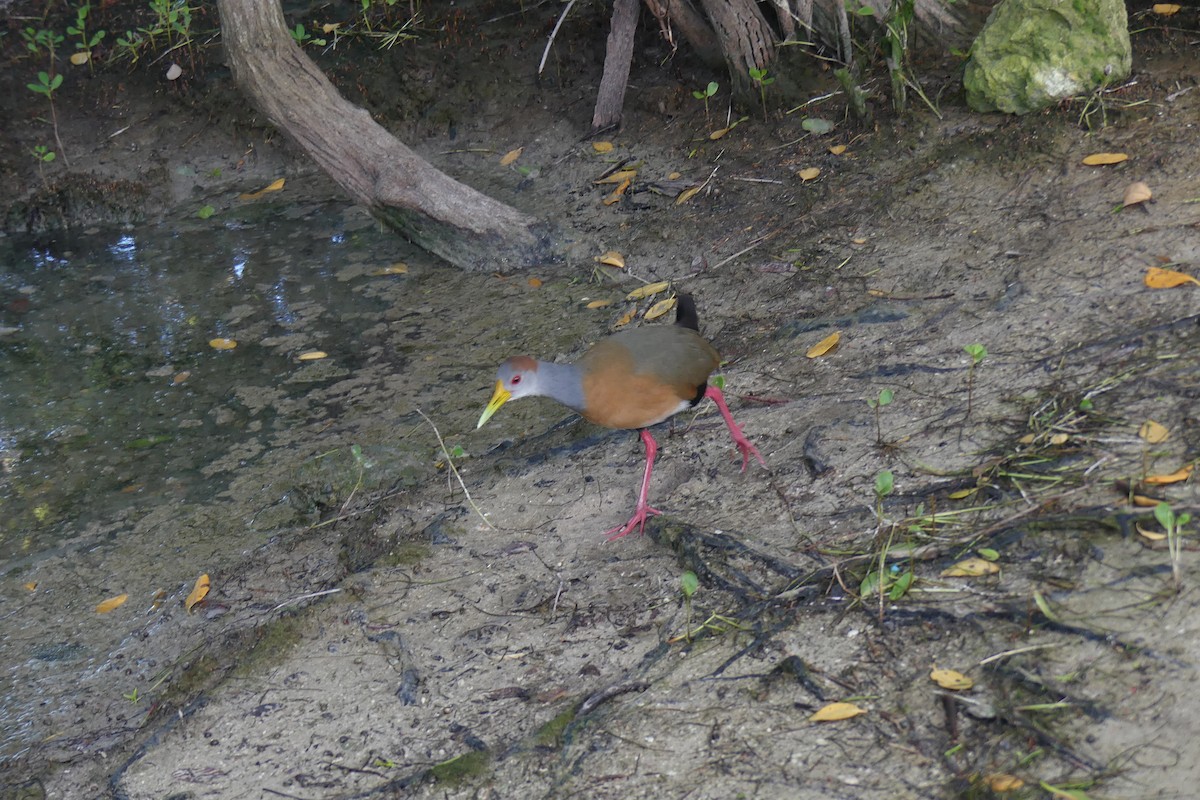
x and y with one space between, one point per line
111 397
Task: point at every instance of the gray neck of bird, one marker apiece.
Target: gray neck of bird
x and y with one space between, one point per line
562 382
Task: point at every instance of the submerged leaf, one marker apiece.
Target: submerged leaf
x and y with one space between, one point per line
274 186
222 344
198 593
949 679
511 156
108 605
313 355
1178 475
824 346
971 568
1153 432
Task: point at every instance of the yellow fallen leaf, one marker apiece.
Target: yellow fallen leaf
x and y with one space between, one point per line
858 240
1178 475
1002 782
1159 278
808 173
1143 501
626 317
602 147
1152 535
616 193
949 679
30 586
198 593
535 283
962 494
599 304
1059 438
511 156
313 355
1028 438
835 712
398 268
838 149
111 603
1153 432
620 176
222 344
686 194
660 308
674 176
1165 9
80 58
647 290
1104 159
824 346
274 186
181 377
1135 193
717 134
613 259
330 27
971 568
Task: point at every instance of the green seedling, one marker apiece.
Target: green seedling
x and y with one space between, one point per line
759 76
689 584
86 43
705 93
978 353
301 36
205 212
1173 524
876 403
44 156
47 84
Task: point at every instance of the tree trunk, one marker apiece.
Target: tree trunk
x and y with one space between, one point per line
617 59
427 206
747 41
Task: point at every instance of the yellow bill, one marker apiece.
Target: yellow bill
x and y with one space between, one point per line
499 398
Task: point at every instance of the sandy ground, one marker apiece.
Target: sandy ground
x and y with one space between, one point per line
500 647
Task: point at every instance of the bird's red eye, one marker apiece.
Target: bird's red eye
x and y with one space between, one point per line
515 380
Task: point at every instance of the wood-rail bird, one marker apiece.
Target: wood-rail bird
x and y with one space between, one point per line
630 380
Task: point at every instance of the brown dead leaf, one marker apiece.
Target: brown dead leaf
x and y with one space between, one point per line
274 186
198 593
949 679
1178 475
971 568
511 156
620 176
181 377
1153 432
626 318
647 290
535 283
1001 782
835 712
612 258
661 307
113 602
824 346
617 193
1137 192
808 174
1104 159
1159 278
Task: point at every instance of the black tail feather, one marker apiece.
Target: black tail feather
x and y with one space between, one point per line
685 312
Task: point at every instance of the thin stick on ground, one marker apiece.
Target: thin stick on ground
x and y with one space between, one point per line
453 469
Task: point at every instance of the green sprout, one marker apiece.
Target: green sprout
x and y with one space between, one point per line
759 76
86 43
705 93
1173 524
876 403
978 353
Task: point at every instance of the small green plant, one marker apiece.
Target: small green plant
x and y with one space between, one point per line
172 19
302 37
129 46
133 696
876 403
1173 524
47 84
705 93
205 212
44 156
759 76
85 44
978 353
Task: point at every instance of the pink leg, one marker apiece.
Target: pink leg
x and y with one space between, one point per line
739 438
643 510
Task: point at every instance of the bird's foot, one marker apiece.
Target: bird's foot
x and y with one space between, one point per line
638 520
747 449
735 430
